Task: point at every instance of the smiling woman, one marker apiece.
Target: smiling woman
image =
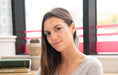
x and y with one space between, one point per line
36 9
59 55
58 33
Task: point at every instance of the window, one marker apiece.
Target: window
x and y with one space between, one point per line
100 39
35 9
107 27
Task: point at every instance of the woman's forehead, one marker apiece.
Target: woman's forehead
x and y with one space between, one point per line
53 21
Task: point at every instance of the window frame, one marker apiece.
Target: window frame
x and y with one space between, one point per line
18 20
89 25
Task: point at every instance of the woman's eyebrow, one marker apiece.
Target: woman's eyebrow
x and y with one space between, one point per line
53 27
57 26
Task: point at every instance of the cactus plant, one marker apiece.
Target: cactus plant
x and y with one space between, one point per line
34 47
34 41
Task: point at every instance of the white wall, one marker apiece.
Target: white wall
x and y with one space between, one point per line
7 40
109 62
7 46
5 18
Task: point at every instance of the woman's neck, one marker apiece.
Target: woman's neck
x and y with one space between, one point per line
70 55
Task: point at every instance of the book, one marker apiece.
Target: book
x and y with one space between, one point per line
15 62
14 70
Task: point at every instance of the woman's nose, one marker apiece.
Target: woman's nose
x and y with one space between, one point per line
53 37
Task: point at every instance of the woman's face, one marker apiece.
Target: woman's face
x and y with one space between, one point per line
58 33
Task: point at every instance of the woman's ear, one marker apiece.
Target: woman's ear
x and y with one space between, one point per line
73 28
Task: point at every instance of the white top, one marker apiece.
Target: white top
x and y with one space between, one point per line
89 66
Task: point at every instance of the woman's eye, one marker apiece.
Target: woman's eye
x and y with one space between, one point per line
58 29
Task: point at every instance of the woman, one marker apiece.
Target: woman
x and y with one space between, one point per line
59 54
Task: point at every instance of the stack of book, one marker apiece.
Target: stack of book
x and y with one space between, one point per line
15 65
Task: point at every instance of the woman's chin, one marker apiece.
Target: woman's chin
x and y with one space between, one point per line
60 49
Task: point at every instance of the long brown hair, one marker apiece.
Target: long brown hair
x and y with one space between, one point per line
50 58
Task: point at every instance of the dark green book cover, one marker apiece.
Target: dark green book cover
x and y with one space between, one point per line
15 62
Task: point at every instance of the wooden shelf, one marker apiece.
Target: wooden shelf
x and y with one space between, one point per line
110 74
30 73
34 73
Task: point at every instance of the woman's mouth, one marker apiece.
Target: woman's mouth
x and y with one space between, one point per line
57 43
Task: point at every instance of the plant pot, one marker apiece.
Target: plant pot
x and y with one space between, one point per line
34 49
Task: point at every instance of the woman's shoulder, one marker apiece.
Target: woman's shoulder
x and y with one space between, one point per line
94 65
39 72
89 66
90 60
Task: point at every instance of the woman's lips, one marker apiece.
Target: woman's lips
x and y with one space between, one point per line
56 43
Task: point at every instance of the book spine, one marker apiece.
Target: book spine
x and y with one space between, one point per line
15 63
15 70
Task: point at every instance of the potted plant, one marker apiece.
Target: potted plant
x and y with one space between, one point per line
34 47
